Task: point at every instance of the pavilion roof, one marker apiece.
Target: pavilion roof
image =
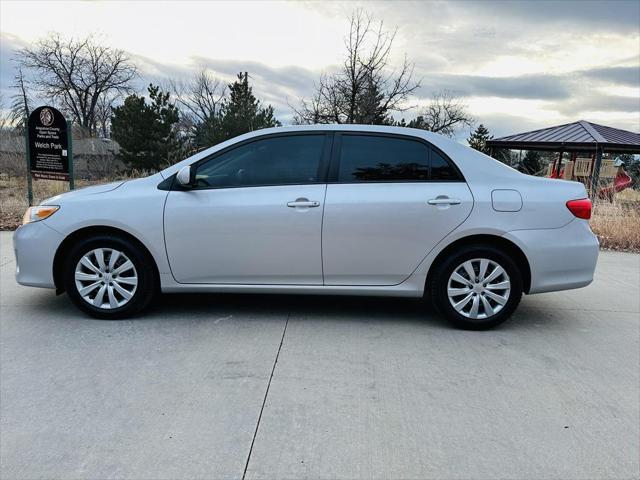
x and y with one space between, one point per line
576 136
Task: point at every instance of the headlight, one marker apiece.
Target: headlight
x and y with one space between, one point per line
35 214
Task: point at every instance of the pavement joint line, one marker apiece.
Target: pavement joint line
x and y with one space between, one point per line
264 400
586 310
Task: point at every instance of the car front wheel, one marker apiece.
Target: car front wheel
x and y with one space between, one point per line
109 277
478 287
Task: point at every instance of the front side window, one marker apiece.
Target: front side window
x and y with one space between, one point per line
366 158
286 160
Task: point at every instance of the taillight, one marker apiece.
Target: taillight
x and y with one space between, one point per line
580 208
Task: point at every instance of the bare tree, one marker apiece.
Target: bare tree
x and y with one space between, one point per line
12 162
5 115
444 115
77 73
102 165
365 88
103 116
200 98
21 103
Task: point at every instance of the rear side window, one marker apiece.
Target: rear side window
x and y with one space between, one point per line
441 168
282 160
369 158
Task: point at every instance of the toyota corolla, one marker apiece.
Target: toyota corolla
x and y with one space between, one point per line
354 210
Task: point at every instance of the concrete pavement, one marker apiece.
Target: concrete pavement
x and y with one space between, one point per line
362 388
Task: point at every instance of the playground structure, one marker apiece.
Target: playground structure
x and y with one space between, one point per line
580 146
612 179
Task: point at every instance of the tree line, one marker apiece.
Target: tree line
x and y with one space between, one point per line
93 85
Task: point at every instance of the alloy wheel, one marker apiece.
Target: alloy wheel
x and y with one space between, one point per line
106 278
478 288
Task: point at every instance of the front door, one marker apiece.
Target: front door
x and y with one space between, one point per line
254 217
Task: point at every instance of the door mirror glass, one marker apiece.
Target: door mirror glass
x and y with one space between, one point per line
183 176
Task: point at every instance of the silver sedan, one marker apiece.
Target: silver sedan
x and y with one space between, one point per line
330 209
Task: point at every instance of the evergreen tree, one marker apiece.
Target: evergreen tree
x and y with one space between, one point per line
370 109
146 132
530 163
478 139
240 113
208 132
418 122
502 155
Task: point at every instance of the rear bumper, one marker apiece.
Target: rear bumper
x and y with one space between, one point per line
560 258
35 246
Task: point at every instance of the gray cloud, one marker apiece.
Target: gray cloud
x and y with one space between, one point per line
289 77
441 35
628 76
543 87
540 86
8 48
615 15
277 86
609 103
612 15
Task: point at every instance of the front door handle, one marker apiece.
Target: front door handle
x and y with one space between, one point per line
443 200
303 202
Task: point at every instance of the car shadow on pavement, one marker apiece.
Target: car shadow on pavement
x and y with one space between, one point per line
183 307
359 309
295 306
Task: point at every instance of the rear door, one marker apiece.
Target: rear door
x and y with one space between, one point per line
390 200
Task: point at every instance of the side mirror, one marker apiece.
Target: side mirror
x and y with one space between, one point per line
183 177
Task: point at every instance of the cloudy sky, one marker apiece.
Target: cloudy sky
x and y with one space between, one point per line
517 65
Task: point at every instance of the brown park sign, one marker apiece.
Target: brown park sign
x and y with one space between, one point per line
48 144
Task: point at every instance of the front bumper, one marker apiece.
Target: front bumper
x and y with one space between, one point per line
559 258
35 245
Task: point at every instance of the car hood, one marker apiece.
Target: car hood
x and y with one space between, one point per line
93 190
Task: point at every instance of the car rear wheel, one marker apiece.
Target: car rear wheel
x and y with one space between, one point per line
109 277
478 287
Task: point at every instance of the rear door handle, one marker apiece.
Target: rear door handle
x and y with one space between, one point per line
303 202
443 200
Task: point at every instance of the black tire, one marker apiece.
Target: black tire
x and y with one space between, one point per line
145 290
443 271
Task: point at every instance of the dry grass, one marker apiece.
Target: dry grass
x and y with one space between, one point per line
617 223
628 195
13 196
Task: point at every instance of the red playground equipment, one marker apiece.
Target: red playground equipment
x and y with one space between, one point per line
612 174
620 182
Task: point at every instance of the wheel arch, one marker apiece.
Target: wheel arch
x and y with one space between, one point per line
490 240
68 242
